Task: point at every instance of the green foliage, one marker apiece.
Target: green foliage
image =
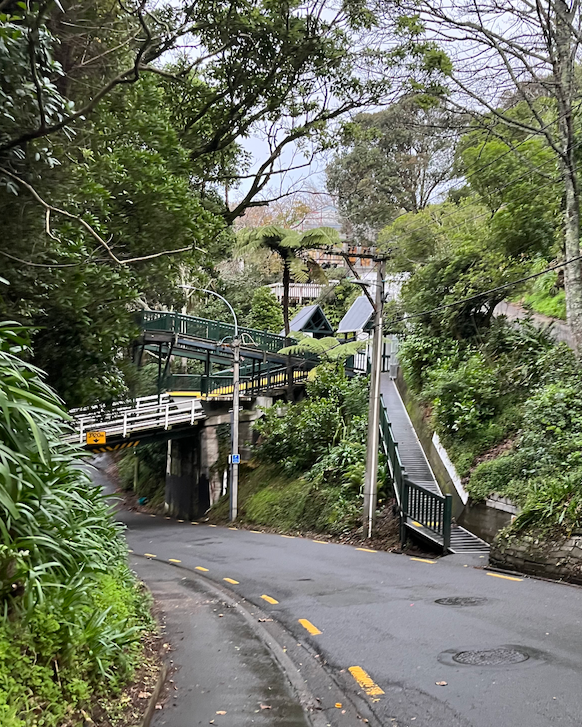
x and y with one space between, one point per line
317 447
463 394
266 312
71 611
545 296
336 300
327 349
333 410
391 161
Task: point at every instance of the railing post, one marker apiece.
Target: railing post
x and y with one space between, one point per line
167 416
192 412
403 512
125 424
81 424
447 518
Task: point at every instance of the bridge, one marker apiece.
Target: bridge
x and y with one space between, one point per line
263 369
424 509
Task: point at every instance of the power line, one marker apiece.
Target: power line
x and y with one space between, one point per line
487 292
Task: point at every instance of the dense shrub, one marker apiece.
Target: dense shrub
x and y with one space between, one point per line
71 610
300 434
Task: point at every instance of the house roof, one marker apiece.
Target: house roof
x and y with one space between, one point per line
310 319
358 316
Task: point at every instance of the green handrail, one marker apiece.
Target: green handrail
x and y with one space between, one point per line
222 384
192 326
424 508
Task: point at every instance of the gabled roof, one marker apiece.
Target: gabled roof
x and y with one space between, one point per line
358 316
310 319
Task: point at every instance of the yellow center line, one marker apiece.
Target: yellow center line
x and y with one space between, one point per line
150 555
268 599
423 560
309 626
167 518
367 550
211 526
199 567
233 528
291 537
365 681
152 515
194 523
173 560
507 578
179 521
321 542
231 580
256 531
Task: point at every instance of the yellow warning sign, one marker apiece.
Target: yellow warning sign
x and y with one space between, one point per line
96 438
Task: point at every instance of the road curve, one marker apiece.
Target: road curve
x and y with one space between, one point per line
512 658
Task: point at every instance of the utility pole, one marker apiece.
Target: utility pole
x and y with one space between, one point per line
371 477
235 457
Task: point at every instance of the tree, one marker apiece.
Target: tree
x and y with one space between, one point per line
521 52
266 313
292 247
452 255
391 162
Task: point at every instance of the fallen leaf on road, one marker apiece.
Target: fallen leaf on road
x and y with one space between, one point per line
159 706
441 684
338 705
266 706
144 695
221 711
262 620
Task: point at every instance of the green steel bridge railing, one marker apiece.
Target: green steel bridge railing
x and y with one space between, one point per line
222 385
194 327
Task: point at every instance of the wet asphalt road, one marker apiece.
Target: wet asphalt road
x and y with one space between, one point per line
377 611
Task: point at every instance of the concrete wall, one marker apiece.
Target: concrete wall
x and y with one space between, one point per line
559 558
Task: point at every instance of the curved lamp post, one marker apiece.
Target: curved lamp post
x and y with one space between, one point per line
235 456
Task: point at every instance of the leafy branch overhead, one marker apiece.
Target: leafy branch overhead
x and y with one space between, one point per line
327 349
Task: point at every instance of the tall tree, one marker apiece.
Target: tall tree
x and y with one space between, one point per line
391 162
512 52
293 249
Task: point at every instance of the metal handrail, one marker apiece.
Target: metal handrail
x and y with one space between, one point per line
424 508
195 327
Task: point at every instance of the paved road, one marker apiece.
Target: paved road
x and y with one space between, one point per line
377 611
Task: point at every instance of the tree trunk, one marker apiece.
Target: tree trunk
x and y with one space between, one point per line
565 90
286 285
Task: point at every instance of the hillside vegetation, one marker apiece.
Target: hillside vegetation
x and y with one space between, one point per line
73 613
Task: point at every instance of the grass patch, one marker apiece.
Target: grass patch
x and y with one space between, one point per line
271 498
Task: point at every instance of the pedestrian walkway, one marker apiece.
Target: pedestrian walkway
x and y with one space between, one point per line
222 673
416 465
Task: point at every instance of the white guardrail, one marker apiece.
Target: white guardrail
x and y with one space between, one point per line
146 413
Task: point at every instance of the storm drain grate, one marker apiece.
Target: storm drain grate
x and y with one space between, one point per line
491 657
461 601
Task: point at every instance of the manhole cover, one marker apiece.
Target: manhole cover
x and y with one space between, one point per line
490 657
461 601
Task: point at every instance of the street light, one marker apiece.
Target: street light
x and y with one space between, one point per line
234 457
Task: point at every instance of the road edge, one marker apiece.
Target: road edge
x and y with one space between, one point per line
273 635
